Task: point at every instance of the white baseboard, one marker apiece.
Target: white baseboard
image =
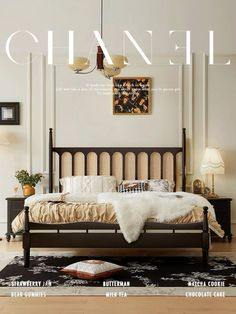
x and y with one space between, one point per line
3 227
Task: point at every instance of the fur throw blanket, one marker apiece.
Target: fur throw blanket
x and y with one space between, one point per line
133 209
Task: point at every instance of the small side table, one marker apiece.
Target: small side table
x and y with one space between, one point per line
14 206
222 206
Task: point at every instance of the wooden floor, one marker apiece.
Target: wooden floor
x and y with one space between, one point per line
132 305
129 305
218 245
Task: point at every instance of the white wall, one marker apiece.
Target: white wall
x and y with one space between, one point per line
85 118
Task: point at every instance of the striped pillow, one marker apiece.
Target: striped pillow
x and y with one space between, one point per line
132 186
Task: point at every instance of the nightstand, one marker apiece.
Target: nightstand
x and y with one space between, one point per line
222 206
14 206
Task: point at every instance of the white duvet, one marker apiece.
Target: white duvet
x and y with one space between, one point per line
133 209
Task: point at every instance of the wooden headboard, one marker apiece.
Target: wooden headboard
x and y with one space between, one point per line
59 151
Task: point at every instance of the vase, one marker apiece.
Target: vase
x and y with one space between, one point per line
28 190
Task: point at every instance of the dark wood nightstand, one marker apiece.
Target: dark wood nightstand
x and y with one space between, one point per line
14 206
222 206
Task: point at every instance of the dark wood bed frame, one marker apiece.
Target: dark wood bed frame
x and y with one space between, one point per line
60 239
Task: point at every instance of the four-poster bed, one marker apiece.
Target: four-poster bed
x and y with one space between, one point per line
70 239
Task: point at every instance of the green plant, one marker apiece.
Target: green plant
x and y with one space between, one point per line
24 177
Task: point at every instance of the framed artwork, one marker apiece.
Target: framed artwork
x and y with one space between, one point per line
9 113
198 186
131 95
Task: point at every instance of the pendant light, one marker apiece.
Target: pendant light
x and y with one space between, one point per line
108 70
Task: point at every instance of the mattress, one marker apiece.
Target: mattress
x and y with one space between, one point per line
63 212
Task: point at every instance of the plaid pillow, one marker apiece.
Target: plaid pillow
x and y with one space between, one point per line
134 186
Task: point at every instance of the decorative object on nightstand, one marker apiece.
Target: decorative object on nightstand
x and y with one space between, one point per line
212 163
222 206
14 206
3 141
198 186
28 181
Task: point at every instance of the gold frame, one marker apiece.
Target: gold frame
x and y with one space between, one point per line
201 187
149 95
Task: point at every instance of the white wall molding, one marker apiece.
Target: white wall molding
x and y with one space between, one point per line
29 107
205 101
43 116
53 123
43 112
189 123
181 86
53 100
190 117
206 80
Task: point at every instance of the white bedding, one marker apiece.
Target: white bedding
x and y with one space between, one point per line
133 209
67 197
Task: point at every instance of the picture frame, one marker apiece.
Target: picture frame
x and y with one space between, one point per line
207 191
198 187
131 95
9 113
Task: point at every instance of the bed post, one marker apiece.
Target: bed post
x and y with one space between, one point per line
205 237
50 166
26 238
184 160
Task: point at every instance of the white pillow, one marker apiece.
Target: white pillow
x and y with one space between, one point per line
89 184
92 269
52 197
161 185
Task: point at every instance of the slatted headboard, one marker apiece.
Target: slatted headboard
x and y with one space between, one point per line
123 151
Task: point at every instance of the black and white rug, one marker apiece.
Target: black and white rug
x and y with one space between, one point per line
138 271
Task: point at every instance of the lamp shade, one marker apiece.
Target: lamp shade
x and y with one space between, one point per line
4 140
119 62
212 162
110 72
80 64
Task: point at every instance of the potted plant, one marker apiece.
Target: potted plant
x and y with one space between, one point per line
28 181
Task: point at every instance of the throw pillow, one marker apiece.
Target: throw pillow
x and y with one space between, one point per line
92 269
132 186
161 185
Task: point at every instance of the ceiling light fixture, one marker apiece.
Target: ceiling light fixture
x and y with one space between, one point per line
108 70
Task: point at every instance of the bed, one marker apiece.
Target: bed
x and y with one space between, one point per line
37 235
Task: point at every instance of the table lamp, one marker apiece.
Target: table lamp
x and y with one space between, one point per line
3 141
212 163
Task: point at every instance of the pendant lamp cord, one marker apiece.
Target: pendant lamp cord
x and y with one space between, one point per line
101 33
101 18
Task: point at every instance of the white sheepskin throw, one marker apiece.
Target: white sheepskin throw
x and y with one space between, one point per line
132 210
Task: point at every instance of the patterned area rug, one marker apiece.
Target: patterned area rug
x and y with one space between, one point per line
150 275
